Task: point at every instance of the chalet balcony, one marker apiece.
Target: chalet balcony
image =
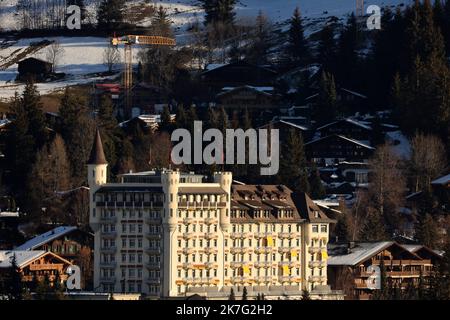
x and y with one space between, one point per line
361 285
153 265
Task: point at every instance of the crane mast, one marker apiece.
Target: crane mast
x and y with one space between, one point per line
128 41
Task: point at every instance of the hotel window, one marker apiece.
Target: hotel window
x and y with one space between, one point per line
132 228
123 273
131 287
140 228
139 273
179 273
131 272
124 242
132 243
139 243
315 228
124 257
323 228
132 213
179 258
132 258
124 227
139 257
139 287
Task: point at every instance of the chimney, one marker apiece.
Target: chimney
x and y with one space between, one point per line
351 245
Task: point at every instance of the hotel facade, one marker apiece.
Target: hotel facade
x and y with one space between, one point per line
172 234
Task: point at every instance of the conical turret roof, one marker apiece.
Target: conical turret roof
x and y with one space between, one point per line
97 155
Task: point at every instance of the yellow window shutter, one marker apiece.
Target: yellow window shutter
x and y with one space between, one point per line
324 255
269 241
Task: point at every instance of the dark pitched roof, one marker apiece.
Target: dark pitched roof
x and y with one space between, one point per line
97 155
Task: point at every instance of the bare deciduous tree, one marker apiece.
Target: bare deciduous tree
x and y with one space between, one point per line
428 160
54 54
387 186
111 57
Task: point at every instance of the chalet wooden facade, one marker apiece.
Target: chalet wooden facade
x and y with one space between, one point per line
35 69
34 265
349 128
239 74
248 97
349 266
336 148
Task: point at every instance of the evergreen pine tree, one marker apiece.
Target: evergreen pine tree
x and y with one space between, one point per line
232 296
317 190
293 164
244 293
342 230
110 13
305 295
181 118
327 49
166 123
373 227
427 231
325 109
14 284
297 48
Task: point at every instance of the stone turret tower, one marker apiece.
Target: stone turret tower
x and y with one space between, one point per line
97 164
97 173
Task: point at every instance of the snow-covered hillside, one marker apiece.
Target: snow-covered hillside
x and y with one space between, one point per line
84 56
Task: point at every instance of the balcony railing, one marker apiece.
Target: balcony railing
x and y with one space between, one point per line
210 250
188 220
111 264
108 234
108 249
153 250
210 221
188 235
108 219
153 235
313 249
153 265
154 281
153 220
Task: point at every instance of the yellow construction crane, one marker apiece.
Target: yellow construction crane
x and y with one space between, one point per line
129 41
360 8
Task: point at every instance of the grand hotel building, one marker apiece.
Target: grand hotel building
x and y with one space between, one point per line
171 234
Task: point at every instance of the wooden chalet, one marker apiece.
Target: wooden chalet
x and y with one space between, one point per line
349 128
248 97
336 148
32 68
348 266
34 265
